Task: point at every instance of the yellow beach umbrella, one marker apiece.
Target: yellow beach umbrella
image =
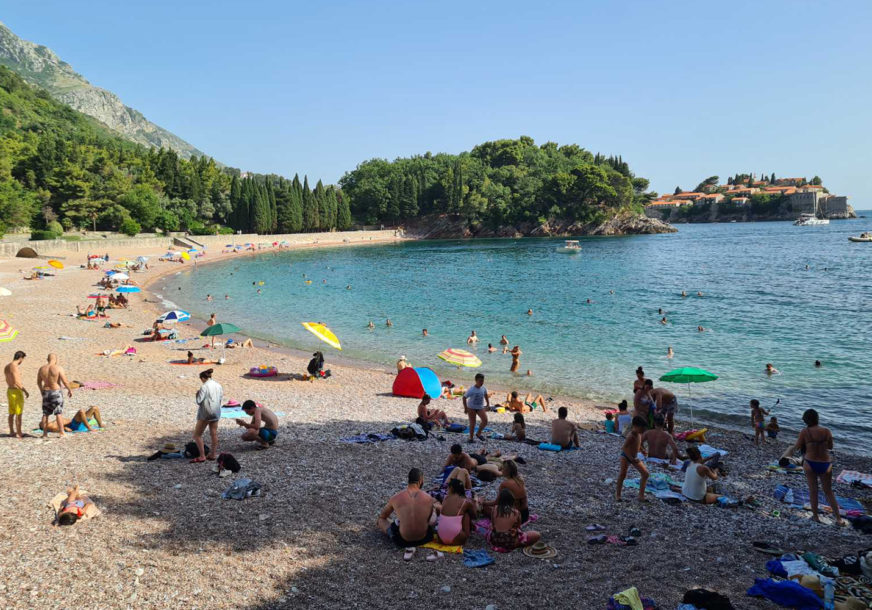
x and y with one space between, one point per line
460 357
186 256
56 264
323 333
7 333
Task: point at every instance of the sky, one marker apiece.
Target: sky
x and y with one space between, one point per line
681 90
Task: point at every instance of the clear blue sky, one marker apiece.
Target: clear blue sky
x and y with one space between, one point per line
682 90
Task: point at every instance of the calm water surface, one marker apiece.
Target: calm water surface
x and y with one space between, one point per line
760 304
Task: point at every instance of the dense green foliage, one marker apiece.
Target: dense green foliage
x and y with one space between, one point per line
61 170
499 183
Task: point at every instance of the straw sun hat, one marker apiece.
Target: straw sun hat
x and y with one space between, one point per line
540 550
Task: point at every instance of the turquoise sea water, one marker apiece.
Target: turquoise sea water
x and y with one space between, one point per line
760 304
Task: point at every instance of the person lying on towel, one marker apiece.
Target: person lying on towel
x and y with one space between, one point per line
82 421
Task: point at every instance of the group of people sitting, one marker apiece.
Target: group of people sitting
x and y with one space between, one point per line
421 518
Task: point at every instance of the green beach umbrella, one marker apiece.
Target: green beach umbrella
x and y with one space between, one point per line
688 375
222 328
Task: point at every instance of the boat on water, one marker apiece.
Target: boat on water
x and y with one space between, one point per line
807 220
867 236
570 246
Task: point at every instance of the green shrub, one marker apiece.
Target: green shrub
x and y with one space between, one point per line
198 228
130 227
55 227
71 237
41 235
226 231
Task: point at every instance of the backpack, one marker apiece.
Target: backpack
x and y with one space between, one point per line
192 452
226 461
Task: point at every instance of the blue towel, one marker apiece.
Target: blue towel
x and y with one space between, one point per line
550 447
786 593
476 558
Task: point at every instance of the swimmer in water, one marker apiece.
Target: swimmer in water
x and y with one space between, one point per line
529 312
699 294
370 325
660 311
226 297
683 293
388 322
817 364
663 320
771 370
529 373
611 292
504 340
424 333
669 352
208 297
490 348
589 301
472 339
259 291
348 287
700 329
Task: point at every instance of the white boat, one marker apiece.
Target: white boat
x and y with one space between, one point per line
863 237
570 246
807 220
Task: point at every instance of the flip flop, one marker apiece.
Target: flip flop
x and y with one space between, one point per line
436 555
410 552
198 460
765 547
597 539
596 527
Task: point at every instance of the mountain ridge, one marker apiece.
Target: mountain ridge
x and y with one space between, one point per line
41 66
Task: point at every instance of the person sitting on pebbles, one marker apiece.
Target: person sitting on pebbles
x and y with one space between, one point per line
433 416
563 431
82 421
466 463
659 440
416 514
456 515
263 427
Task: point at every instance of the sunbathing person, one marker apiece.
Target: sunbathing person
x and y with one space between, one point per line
695 487
563 431
231 344
457 513
83 420
659 440
263 427
434 416
465 463
506 523
75 506
415 511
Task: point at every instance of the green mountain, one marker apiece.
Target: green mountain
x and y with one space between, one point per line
40 66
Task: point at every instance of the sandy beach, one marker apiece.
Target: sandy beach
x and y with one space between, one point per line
166 539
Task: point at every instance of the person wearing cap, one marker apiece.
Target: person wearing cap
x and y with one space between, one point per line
263 427
401 363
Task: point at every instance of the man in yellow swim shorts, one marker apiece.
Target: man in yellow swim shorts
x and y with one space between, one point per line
15 393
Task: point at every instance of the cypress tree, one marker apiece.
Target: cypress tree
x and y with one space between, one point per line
273 207
320 197
343 212
310 208
261 217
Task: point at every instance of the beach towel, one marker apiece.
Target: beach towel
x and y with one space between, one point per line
477 558
237 412
97 385
658 481
852 476
56 502
789 469
366 438
553 447
786 593
667 495
800 498
445 548
708 451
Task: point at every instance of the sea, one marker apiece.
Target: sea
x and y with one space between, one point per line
770 293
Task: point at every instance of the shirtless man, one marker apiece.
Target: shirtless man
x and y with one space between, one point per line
15 393
79 423
263 427
658 441
472 339
50 379
665 406
434 416
415 512
563 432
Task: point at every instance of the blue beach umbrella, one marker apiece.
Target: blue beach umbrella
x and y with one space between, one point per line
176 315
127 289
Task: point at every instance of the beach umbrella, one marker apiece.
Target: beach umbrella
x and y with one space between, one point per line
56 264
222 328
186 256
127 289
7 333
176 315
322 332
460 357
688 375
193 251
120 276
98 295
5 292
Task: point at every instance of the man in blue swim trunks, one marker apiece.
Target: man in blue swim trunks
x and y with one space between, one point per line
263 427
83 421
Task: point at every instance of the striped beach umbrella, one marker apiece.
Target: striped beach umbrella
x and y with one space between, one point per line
7 333
127 289
176 315
322 332
460 357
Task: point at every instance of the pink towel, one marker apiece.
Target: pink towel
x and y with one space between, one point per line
97 385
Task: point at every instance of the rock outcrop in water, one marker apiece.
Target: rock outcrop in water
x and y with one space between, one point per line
448 226
40 66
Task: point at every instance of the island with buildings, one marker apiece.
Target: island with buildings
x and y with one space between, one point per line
746 198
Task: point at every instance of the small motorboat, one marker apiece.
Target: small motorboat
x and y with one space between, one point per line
570 246
863 237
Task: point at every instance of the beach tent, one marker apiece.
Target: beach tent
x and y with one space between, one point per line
417 381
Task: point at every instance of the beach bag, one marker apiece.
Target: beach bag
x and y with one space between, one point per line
226 461
192 452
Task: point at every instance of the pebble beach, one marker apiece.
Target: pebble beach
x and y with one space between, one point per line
166 538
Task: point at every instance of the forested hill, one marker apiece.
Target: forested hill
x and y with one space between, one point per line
60 169
501 183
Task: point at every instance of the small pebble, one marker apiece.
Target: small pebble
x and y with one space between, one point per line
446 589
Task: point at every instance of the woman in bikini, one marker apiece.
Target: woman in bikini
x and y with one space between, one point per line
640 380
457 513
506 522
516 359
815 442
515 484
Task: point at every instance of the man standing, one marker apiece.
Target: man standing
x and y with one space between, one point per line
665 404
414 509
15 393
50 379
474 402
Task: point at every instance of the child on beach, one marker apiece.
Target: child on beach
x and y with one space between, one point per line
609 424
772 428
476 402
757 413
629 453
624 418
519 429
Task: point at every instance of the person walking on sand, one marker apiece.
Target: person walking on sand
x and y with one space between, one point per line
209 399
50 379
212 321
516 359
15 393
630 457
476 401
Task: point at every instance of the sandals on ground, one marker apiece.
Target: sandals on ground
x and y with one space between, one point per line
410 552
435 555
197 460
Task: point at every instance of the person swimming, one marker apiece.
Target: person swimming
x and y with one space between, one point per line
669 352
370 325
663 320
529 312
771 370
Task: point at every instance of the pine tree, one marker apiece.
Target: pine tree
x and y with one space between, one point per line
273 211
343 212
320 197
261 217
310 208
